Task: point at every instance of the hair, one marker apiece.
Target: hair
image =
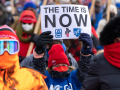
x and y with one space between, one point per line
110 32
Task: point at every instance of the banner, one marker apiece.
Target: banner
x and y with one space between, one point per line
65 21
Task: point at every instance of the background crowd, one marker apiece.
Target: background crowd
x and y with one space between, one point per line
22 16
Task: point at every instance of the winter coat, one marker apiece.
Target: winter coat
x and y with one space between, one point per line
98 18
69 83
73 80
102 75
16 78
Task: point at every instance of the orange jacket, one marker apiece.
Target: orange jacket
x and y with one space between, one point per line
16 78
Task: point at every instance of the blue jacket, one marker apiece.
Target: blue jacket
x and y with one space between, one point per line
98 18
69 83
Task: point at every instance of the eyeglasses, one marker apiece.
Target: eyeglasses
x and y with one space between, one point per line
11 46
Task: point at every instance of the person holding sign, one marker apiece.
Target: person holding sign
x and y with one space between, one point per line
12 77
60 76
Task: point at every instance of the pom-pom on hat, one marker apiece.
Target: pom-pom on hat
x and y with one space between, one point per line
29 4
28 16
57 56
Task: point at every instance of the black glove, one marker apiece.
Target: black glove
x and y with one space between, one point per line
43 38
33 38
87 43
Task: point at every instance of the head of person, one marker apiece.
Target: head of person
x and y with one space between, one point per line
97 6
9 47
58 60
27 21
8 6
55 41
113 11
111 32
30 6
19 7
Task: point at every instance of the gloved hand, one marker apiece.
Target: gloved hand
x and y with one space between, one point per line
33 38
87 43
43 38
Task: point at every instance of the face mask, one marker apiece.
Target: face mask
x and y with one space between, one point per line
97 9
7 60
61 69
112 15
27 27
19 9
9 8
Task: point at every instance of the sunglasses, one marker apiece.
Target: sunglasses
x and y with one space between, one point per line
11 46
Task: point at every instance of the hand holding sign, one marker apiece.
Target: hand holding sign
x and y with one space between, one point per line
65 21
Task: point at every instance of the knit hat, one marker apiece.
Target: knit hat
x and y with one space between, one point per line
113 8
7 32
110 31
29 4
28 16
57 56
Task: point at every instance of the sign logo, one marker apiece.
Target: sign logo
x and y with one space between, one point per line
67 32
58 33
77 31
53 62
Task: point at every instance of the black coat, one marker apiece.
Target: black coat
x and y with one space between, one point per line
102 75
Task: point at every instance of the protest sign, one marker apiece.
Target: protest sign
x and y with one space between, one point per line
65 21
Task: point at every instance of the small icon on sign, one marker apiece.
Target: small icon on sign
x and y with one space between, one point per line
77 31
58 33
67 32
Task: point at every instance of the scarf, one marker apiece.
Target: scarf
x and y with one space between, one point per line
59 75
112 54
20 31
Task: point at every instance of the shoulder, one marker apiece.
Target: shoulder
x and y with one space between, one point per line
27 61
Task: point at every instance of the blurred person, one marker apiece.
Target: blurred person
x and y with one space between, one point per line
47 39
97 14
103 22
3 15
19 7
60 75
10 20
12 77
104 70
29 5
25 30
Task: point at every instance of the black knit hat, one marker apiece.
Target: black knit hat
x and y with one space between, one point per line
110 31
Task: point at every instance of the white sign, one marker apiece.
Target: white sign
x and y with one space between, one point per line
65 21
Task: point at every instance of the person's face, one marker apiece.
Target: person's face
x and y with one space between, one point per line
32 9
97 7
58 65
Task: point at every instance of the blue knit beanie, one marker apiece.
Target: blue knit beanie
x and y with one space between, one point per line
29 4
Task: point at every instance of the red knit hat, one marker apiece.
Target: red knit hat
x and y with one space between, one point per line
7 32
28 16
57 56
